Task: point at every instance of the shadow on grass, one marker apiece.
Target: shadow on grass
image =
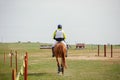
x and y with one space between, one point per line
5 76
38 74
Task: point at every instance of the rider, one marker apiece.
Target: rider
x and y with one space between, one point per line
59 35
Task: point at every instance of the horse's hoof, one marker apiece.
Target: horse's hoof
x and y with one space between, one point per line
58 72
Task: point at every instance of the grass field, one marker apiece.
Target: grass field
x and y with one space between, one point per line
83 64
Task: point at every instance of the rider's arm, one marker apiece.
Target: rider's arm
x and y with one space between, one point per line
64 35
54 34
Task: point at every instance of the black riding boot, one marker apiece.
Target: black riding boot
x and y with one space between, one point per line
53 52
66 53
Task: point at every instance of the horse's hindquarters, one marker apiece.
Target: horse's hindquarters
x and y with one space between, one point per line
60 52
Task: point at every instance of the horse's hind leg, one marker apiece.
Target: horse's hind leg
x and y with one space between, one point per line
58 65
59 69
62 69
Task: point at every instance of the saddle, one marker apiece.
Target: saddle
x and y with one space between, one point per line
59 39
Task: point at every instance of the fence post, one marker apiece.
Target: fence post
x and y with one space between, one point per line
11 58
111 51
13 74
4 58
26 66
16 61
104 50
98 49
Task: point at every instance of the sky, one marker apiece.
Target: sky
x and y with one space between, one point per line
84 21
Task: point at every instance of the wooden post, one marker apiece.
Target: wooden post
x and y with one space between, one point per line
4 58
98 49
26 67
16 61
104 50
13 74
111 51
11 58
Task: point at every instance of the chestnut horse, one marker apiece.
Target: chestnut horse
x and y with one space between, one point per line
60 52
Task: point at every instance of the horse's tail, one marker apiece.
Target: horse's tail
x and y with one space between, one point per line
64 61
63 56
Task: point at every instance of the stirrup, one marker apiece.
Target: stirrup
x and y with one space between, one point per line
53 55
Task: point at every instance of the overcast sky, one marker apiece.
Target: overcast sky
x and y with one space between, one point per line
84 21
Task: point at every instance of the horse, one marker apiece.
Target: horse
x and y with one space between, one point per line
60 51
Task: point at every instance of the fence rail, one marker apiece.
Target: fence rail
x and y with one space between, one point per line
23 69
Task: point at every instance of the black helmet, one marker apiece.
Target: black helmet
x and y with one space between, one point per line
59 26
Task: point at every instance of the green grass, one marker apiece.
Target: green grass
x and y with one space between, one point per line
77 70
43 67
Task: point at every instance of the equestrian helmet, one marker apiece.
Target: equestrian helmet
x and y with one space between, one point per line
59 26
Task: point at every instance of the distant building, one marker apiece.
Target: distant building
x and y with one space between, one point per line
80 45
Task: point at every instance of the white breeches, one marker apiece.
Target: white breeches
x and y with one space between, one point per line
57 42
